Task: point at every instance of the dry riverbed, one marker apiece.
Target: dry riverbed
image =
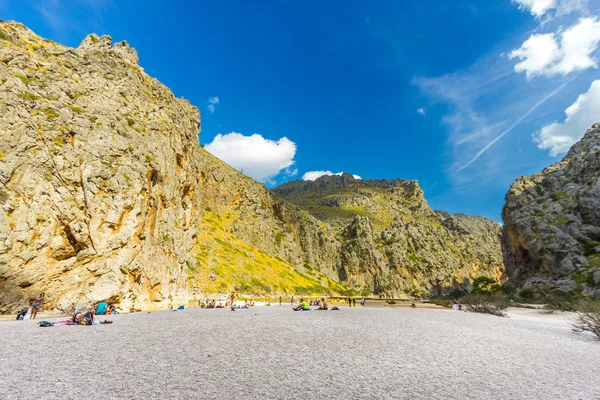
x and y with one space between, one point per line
275 353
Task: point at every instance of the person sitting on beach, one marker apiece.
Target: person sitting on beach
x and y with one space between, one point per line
113 309
132 308
302 306
324 305
101 308
228 303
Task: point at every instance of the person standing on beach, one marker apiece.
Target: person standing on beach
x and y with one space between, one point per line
37 304
353 302
349 302
362 302
280 300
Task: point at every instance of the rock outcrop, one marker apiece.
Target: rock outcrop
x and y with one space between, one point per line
552 222
391 242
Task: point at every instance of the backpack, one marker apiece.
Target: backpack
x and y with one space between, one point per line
87 319
45 324
22 314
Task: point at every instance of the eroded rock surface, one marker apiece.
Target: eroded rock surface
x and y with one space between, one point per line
552 222
391 242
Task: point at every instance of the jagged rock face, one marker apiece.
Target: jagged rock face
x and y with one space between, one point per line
104 186
96 168
392 243
552 222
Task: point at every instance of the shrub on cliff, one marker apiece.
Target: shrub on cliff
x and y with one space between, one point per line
494 304
485 285
589 319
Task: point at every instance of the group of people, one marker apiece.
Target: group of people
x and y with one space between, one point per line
106 308
352 302
303 305
88 316
206 303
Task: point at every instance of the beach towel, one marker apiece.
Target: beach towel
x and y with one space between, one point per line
67 322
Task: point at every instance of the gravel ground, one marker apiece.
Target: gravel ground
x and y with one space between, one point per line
275 353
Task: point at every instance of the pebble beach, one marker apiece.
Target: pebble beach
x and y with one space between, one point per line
275 353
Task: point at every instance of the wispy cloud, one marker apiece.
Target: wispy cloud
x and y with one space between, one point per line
421 111
514 125
491 101
212 102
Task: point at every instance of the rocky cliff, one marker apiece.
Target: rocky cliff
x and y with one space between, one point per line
552 222
105 192
391 242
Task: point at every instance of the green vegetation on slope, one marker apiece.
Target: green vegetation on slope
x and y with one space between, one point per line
227 262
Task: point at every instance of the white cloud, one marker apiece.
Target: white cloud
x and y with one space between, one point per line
558 137
552 8
536 7
254 155
577 44
314 175
542 55
421 111
538 53
212 102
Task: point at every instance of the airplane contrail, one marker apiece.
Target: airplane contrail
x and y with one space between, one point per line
513 126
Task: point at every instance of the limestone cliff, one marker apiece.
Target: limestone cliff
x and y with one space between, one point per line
391 242
105 192
552 222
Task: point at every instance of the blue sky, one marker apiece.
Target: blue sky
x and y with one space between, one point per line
463 96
